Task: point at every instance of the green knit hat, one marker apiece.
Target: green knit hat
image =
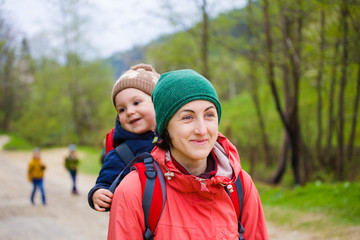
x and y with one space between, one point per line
177 88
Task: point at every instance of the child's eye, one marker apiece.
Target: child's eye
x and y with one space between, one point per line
137 103
121 110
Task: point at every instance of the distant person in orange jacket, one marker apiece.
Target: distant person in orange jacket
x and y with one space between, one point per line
36 171
199 165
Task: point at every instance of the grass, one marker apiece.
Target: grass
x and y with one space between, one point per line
90 160
338 203
17 143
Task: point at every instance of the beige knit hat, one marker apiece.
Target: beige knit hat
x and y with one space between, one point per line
141 76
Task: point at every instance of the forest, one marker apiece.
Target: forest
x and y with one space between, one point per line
287 74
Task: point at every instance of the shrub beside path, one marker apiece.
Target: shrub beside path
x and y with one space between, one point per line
65 216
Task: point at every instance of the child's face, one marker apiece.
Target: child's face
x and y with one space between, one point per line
36 155
136 111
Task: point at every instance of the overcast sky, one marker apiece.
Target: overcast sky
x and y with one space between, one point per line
114 25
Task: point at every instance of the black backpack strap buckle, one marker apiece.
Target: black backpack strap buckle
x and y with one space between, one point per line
150 169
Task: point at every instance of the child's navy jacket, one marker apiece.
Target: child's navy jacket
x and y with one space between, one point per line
113 164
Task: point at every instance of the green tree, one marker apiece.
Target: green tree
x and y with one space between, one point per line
9 81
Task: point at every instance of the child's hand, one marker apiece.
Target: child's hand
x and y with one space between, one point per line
102 199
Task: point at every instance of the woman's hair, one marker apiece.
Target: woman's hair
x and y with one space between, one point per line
165 142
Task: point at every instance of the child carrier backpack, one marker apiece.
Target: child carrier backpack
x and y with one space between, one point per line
122 149
109 141
154 186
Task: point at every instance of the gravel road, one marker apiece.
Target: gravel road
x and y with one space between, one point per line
65 216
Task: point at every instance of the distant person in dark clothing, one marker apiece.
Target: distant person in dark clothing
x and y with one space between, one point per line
71 164
102 154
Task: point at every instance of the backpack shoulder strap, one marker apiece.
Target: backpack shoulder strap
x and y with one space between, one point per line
129 163
125 153
237 197
154 193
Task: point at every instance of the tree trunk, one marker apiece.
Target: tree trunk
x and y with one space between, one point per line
254 88
271 80
294 112
205 41
281 168
270 62
9 85
340 151
318 88
282 162
331 119
352 161
293 54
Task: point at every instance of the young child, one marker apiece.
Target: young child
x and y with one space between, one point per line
135 125
36 171
71 164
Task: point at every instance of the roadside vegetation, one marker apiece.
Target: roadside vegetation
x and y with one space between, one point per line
17 143
338 201
330 210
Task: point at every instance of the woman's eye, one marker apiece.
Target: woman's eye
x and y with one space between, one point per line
210 115
187 117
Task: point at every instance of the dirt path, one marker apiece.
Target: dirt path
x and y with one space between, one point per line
65 216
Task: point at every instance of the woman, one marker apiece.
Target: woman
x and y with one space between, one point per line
198 163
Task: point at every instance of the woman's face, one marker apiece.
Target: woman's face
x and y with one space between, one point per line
193 131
